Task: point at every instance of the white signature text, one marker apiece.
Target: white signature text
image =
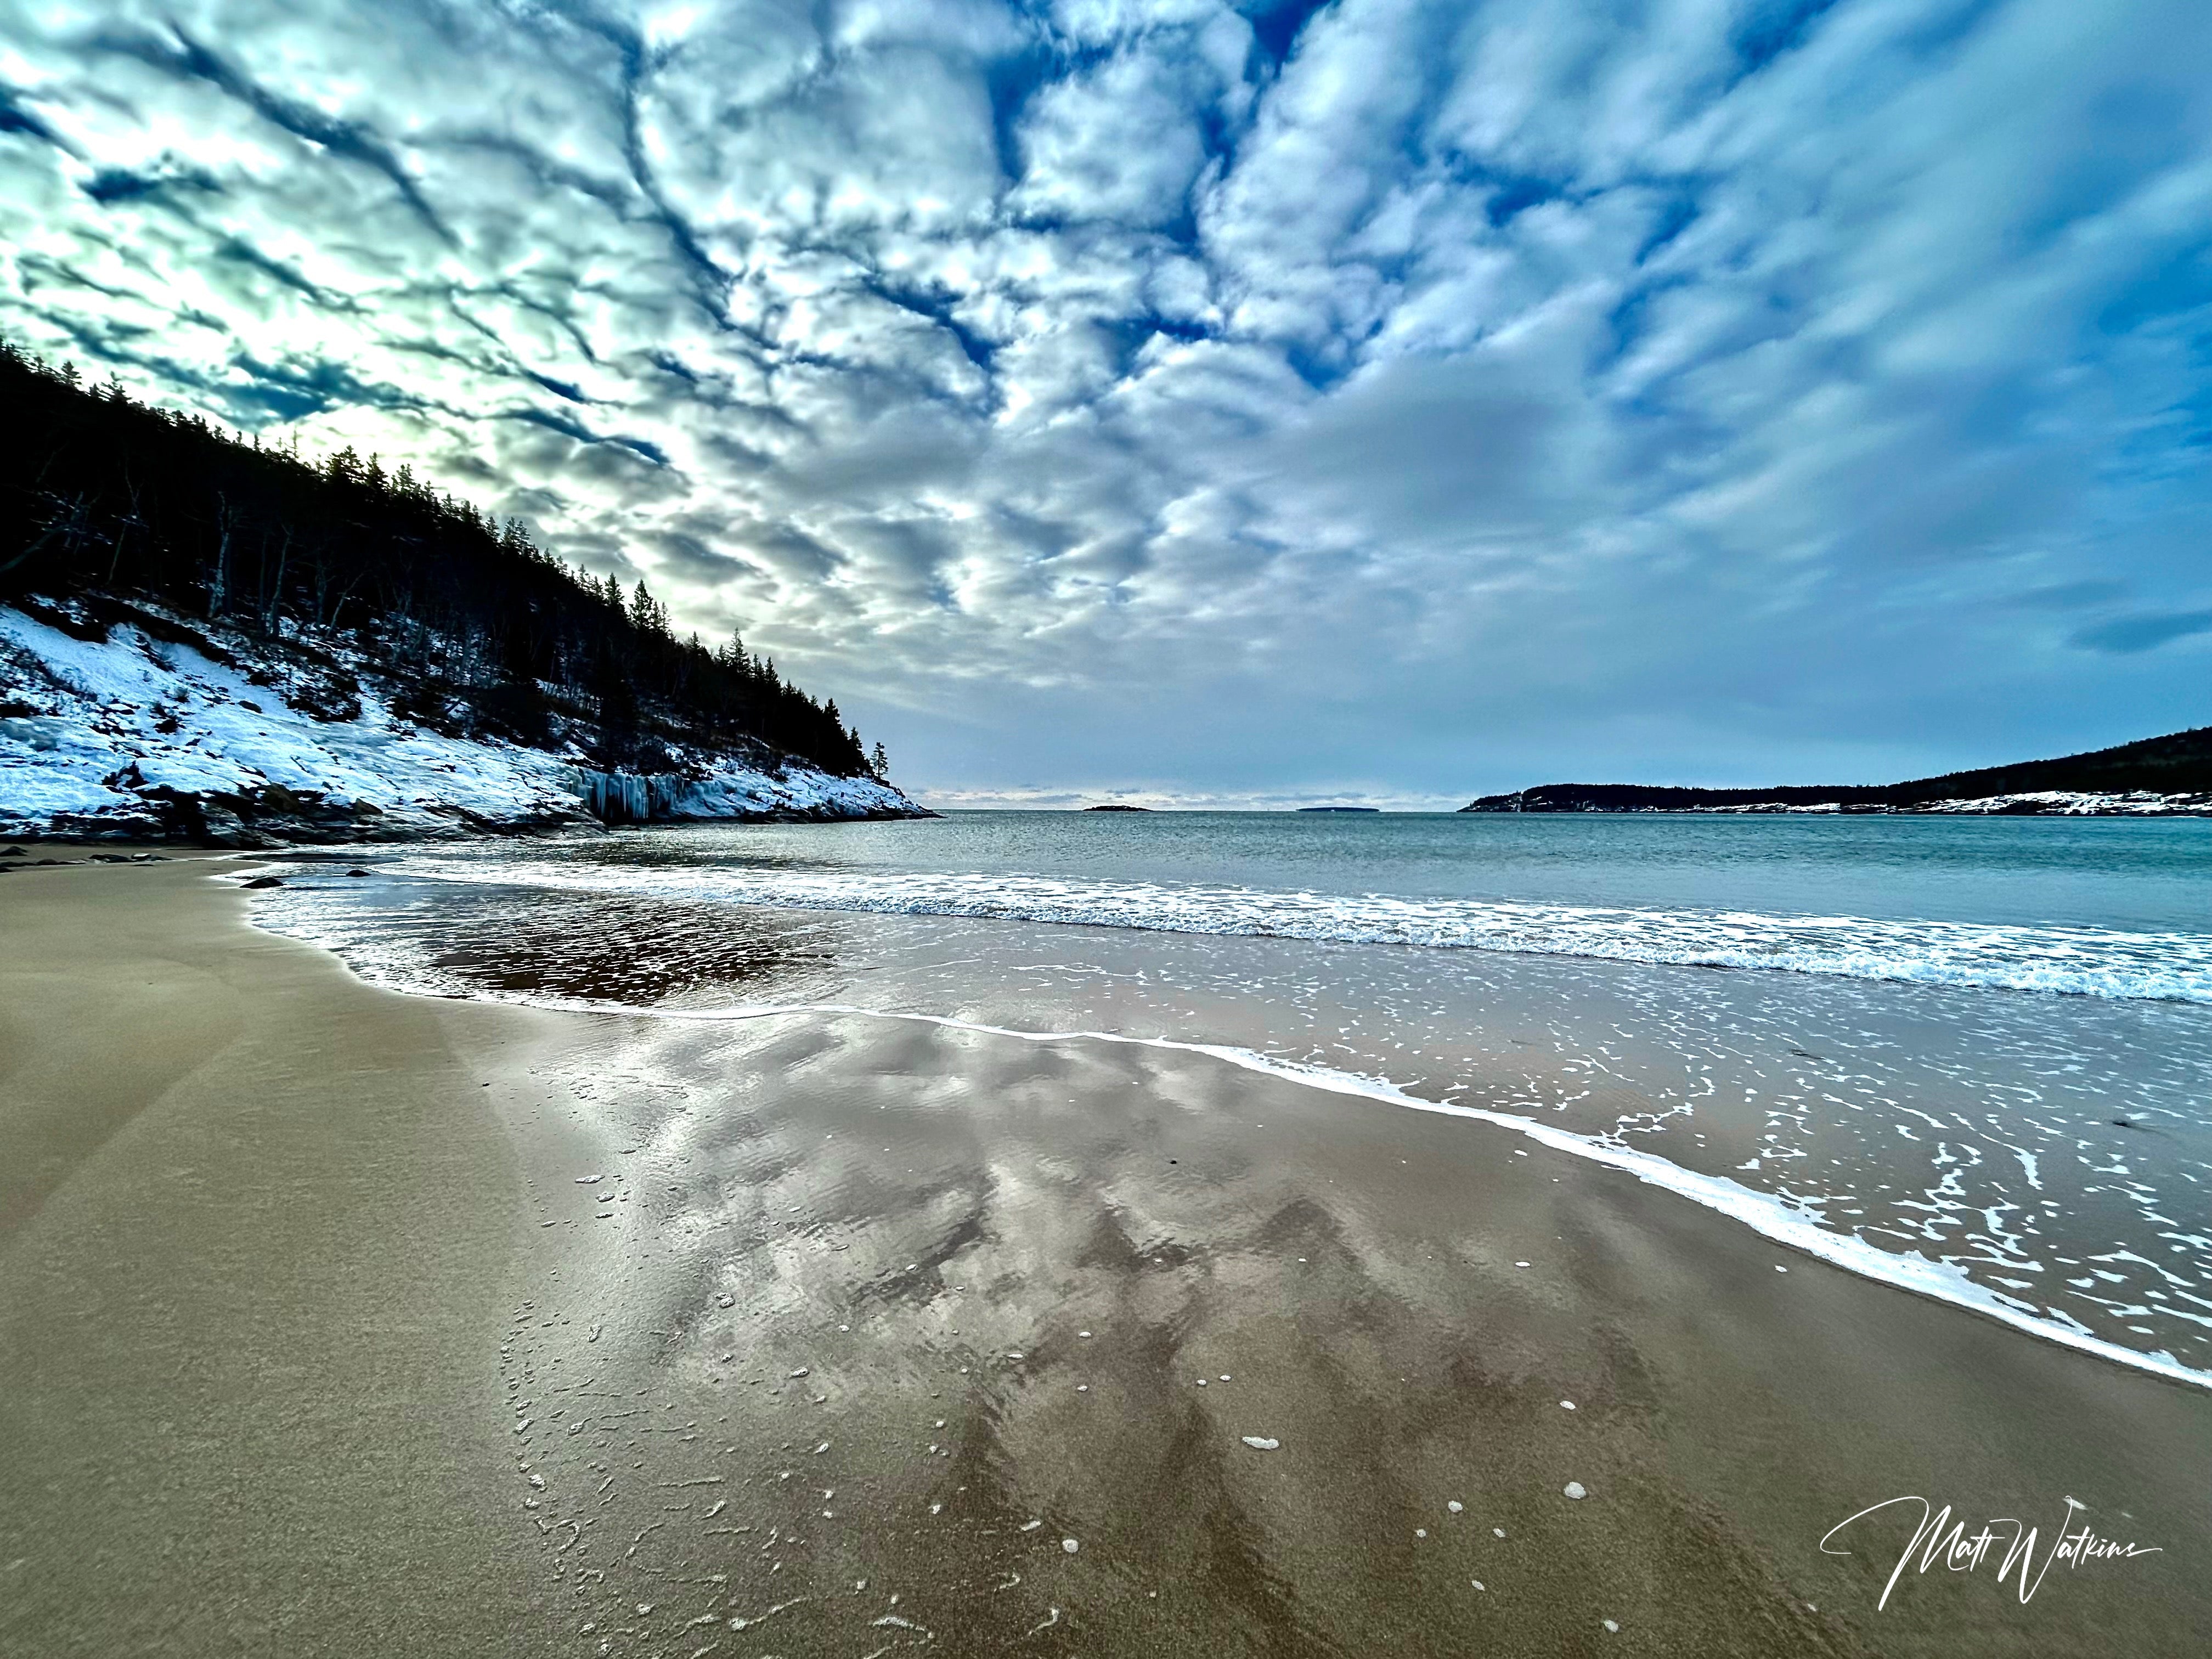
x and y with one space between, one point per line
1940 1541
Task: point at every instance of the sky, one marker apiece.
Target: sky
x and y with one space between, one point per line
1222 404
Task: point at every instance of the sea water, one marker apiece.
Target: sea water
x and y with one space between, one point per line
1973 1056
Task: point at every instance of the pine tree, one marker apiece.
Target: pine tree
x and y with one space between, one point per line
157 503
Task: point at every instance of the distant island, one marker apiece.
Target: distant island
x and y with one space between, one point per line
2155 777
1340 809
1116 806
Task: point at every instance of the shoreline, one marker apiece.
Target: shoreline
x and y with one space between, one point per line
2069 806
356 1225
1760 1212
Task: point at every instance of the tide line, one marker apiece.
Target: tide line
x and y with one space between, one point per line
1769 1216
1786 1224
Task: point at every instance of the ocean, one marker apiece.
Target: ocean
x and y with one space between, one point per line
1973 1057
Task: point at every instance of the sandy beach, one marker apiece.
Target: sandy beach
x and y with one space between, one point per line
337 1321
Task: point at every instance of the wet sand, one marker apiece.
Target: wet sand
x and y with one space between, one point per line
318 1336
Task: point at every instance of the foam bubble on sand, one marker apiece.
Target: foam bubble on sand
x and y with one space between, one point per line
1576 1489
1454 1505
1070 1545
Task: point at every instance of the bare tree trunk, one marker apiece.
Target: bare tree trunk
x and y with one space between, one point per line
217 590
136 520
272 592
345 594
68 521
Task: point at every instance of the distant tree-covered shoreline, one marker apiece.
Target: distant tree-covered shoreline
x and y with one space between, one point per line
101 495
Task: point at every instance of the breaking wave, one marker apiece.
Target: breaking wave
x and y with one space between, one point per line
2168 966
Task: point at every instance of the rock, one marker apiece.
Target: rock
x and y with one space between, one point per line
223 828
260 882
1576 1489
1258 1443
356 872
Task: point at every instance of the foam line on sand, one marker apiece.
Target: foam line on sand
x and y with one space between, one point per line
1772 1218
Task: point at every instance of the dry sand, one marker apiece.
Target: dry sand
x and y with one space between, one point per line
317 1338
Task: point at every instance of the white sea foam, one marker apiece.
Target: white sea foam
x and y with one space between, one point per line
2169 966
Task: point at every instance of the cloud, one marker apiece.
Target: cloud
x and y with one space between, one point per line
2126 636
1255 402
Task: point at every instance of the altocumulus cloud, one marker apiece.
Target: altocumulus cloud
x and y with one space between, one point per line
1248 401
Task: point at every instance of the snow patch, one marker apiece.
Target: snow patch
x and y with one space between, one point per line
106 736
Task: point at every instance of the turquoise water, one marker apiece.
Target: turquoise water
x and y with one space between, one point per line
1972 1055
2125 873
2114 908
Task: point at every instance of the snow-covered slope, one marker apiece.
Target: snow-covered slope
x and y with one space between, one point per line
164 728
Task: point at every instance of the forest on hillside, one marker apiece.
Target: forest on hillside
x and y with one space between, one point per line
2178 764
105 496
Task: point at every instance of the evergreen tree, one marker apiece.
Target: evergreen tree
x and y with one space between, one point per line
102 497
